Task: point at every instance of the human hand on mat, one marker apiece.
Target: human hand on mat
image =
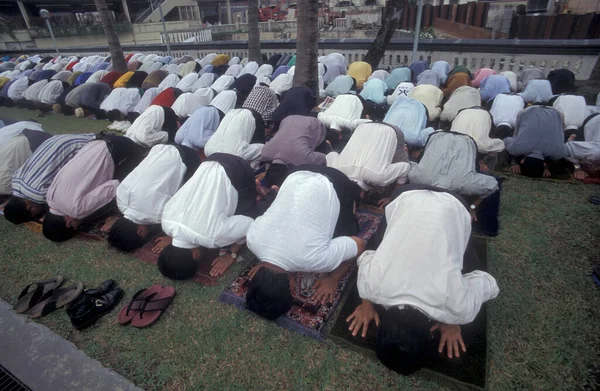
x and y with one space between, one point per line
546 172
579 174
221 264
473 214
451 336
483 167
361 317
324 288
515 168
384 202
160 243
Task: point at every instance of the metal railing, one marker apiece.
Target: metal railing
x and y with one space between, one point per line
144 14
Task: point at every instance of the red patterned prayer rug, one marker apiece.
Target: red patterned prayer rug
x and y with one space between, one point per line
307 317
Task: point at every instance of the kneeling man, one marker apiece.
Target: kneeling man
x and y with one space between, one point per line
416 274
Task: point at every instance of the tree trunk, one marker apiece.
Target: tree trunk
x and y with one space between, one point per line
307 44
390 19
114 45
253 32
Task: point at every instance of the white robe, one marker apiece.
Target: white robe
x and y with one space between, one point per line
344 112
233 136
222 83
199 128
51 91
573 110
431 97
203 81
146 99
186 83
122 99
225 101
33 91
462 98
169 81
146 130
505 109
477 123
187 103
282 83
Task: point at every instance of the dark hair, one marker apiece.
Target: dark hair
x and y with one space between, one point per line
532 167
55 228
269 294
503 131
113 115
123 235
177 263
403 340
16 211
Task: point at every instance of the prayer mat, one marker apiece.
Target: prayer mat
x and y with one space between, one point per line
469 370
202 276
306 317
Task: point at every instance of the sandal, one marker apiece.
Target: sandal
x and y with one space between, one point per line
60 298
153 307
35 293
128 312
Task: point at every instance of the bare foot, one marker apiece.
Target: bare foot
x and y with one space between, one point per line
572 137
579 174
416 154
546 173
221 264
483 167
515 168
160 243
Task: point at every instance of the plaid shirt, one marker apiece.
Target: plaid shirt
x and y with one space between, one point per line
262 100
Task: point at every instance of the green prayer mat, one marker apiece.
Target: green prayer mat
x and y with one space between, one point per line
470 370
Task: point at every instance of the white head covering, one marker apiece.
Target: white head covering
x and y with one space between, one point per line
122 99
336 65
186 82
513 78
171 68
250 68
462 98
33 91
96 76
222 83
264 70
292 71
477 123
233 136
155 66
188 102
170 81
234 70
146 66
402 89
51 91
146 130
225 101
16 89
146 99
234 61
207 59
199 128
204 81
379 74
344 112
282 83
431 97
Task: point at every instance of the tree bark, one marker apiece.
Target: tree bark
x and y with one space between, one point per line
114 45
390 19
307 44
253 32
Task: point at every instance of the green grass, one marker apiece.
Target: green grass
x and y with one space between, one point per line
543 327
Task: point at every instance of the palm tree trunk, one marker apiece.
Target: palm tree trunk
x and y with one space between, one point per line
253 32
390 19
114 45
307 44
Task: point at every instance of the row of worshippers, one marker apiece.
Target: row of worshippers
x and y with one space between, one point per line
209 210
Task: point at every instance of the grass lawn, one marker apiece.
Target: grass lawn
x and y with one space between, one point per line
543 328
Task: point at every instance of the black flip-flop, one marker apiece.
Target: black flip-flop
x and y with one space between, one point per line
60 298
35 293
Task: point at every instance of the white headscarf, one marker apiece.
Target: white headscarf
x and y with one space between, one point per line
204 81
250 68
170 81
122 99
188 102
96 76
146 99
234 70
282 83
16 89
225 101
33 91
264 70
51 91
462 98
233 136
477 123
344 112
234 61
222 83
146 130
402 89
431 97
207 59
186 82
292 71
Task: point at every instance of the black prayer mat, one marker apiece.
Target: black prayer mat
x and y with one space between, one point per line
469 370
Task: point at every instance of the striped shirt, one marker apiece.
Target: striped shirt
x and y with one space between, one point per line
32 180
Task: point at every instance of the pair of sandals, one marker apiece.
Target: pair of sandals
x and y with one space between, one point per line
146 306
43 297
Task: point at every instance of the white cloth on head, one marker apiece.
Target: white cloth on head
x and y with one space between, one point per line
225 101
402 89
96 76
146 99
169 82
505 109
187 103
340 85
537 91
143 194
572 108
223 83
296 232
250 68
431 97
336 65
32 92
146 130
203 81
282 83
263 80
379 74
9 131
206 60
171 68
201 213
292 70
264 70
199 128
420 260
17 88
186 82
477 123
590 148
233 136
122 99
234 70
51 91
344 112
513 79
462 98
367 158
234 61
